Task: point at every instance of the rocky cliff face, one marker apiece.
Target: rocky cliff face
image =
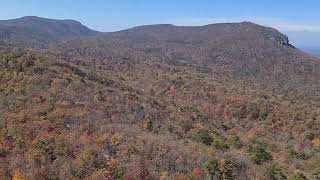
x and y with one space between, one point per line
282 40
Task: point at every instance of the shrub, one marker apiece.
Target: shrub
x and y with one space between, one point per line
3 152
164 175
87 161
258 153
295 154
222 169
116 138
139 170
226 168
20 142
197 173
316 142
316 168
202 118
211 168
150 125
309 136
114 171
61 168
297 175
203 136
18 175
234 141
316 173
274 172
220 143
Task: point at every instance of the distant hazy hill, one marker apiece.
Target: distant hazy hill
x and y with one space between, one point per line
37 30
307 41
315 51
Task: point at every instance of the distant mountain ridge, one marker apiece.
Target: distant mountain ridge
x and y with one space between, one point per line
315 51
243 51
37 30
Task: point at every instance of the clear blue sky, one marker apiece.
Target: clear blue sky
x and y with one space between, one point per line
110 15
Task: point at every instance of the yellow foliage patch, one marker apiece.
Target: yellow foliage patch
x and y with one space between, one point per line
116 138
316 142
164 175
18 175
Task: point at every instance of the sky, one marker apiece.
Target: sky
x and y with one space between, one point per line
293 17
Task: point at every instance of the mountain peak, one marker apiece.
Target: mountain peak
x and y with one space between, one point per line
37 19
31 17
40 30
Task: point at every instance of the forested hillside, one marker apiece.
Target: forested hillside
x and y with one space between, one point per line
223 101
